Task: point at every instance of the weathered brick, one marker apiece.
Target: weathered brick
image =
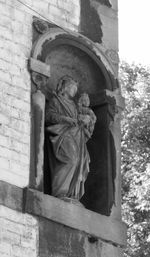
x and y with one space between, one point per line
4 141
5 248
58 12
30 241
6 21
67 5
53 2
4 119
39 5
19 168
9 67
5 164
21 38
20 218
6 33
5 76
13 178
14 134
12 155
20 125
4 53
13 112
14 144
5 254
9 237
27 29
19 146
22 251
20 61
18 15
14 227
5 9
20 82
15 102
18 92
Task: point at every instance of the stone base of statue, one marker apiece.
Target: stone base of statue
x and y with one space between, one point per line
72 201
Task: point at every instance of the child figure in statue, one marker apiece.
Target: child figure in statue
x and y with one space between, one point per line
84 112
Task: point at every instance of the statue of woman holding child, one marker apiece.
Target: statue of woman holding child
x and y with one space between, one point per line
69 126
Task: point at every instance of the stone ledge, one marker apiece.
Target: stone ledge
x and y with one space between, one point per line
11 196
36 203
75 217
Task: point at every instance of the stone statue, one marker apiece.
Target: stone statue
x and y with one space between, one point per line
69 126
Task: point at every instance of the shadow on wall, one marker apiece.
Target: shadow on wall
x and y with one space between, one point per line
90 25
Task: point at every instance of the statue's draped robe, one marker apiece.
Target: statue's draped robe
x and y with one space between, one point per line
69 162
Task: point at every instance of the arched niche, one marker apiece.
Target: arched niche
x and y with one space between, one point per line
75 55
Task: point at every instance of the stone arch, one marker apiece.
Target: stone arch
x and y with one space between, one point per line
99 195
57 37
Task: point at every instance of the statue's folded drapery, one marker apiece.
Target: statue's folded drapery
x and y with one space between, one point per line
69 162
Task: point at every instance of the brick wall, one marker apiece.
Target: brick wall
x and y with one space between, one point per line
18 234
15 47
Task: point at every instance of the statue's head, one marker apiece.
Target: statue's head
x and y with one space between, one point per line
67 86
84 100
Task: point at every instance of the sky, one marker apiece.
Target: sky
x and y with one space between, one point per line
134 31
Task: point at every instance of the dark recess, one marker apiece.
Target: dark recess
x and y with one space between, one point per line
90 25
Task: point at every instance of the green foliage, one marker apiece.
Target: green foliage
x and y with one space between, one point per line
135 84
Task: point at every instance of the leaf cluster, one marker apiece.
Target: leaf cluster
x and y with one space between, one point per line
135 84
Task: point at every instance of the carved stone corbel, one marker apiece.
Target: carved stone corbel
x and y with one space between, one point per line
40 25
